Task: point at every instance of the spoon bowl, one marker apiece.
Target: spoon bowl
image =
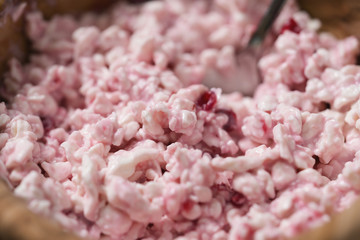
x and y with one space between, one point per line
247 76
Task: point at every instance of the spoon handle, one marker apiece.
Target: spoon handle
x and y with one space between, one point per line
266 22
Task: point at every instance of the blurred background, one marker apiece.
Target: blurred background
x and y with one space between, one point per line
340 17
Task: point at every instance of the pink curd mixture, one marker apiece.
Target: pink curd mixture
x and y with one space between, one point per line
109 131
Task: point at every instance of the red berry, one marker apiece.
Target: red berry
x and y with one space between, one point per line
207 101
48 123
238 199
292 26
231 123
188 205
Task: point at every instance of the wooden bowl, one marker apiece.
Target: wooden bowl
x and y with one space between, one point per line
340 17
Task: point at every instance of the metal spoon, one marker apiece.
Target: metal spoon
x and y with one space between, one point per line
248 76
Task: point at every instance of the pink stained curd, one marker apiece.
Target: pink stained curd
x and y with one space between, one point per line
109 131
